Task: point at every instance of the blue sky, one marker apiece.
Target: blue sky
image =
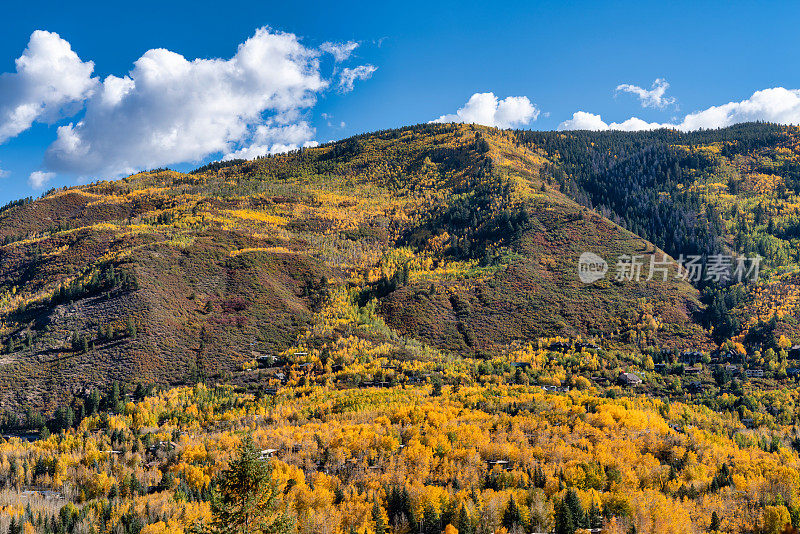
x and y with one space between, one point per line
426 60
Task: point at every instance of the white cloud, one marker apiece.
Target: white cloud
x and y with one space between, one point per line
4 173
38 179
50 80
650 98
582 120
772 105
348 76
339 51
168 109
776 105
487 109
270 139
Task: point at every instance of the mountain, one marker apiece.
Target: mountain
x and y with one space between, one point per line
459 238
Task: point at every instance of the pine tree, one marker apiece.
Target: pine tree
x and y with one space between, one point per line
539 478
564 522
512 517
431 520
594 516
245 499
408 510
715 522
114 401
377 518
573 502
464 523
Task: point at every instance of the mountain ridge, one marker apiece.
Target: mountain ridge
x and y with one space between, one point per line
466 238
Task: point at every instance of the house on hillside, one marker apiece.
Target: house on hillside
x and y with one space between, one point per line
692 369
794 352
502 464
266 454
629 379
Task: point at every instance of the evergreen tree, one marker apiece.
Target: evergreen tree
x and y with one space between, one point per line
573 502
245 499
431 521
569 514
377 518
539 478
464 524
594 517
512 517
114 400
408 510
715 522
564 522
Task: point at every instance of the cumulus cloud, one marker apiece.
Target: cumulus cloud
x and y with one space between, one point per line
772 105
168 109
650 98
339 51
582 120
38 179
776 105
50 80
272 139
348 76
488 110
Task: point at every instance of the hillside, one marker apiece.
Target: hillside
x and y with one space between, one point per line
460 234
397 321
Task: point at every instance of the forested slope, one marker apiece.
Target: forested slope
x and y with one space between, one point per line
458 235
